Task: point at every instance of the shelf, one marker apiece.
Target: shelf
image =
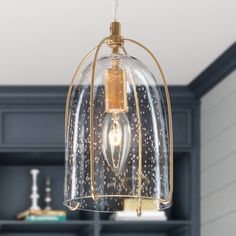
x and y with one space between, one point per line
143 226
107 227
45 227
32 158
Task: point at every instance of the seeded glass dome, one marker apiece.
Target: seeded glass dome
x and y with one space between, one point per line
118 139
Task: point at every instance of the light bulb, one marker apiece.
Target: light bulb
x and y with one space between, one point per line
116 139
115 133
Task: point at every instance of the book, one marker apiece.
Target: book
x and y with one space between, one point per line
130 204
44 218
146 216
24 214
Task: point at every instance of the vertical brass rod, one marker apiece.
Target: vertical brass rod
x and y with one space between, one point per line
140 167
92 117
71 86
140 161
169 114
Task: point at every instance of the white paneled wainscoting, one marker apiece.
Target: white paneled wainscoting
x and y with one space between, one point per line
218 159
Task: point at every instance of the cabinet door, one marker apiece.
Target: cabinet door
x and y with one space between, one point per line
32 128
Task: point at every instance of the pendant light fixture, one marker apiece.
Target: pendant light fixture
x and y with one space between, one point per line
118 131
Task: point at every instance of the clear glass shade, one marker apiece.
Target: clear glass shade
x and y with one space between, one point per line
116 141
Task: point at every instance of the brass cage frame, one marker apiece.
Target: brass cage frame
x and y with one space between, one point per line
167 95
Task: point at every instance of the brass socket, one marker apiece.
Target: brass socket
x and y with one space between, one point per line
115 90
115 83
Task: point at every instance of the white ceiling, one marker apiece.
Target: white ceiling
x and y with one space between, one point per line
42 41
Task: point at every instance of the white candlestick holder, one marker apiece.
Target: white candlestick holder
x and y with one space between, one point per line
34 195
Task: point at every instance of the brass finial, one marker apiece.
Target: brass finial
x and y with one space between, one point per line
115 40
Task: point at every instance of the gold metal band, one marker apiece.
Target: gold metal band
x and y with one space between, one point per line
97 48
169 118
140 157
140 147
71 86
91 119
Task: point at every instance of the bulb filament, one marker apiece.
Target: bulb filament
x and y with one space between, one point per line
115 133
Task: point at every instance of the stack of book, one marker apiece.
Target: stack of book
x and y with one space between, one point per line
146 216
42 215
148 212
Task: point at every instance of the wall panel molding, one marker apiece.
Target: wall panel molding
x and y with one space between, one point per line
215 73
